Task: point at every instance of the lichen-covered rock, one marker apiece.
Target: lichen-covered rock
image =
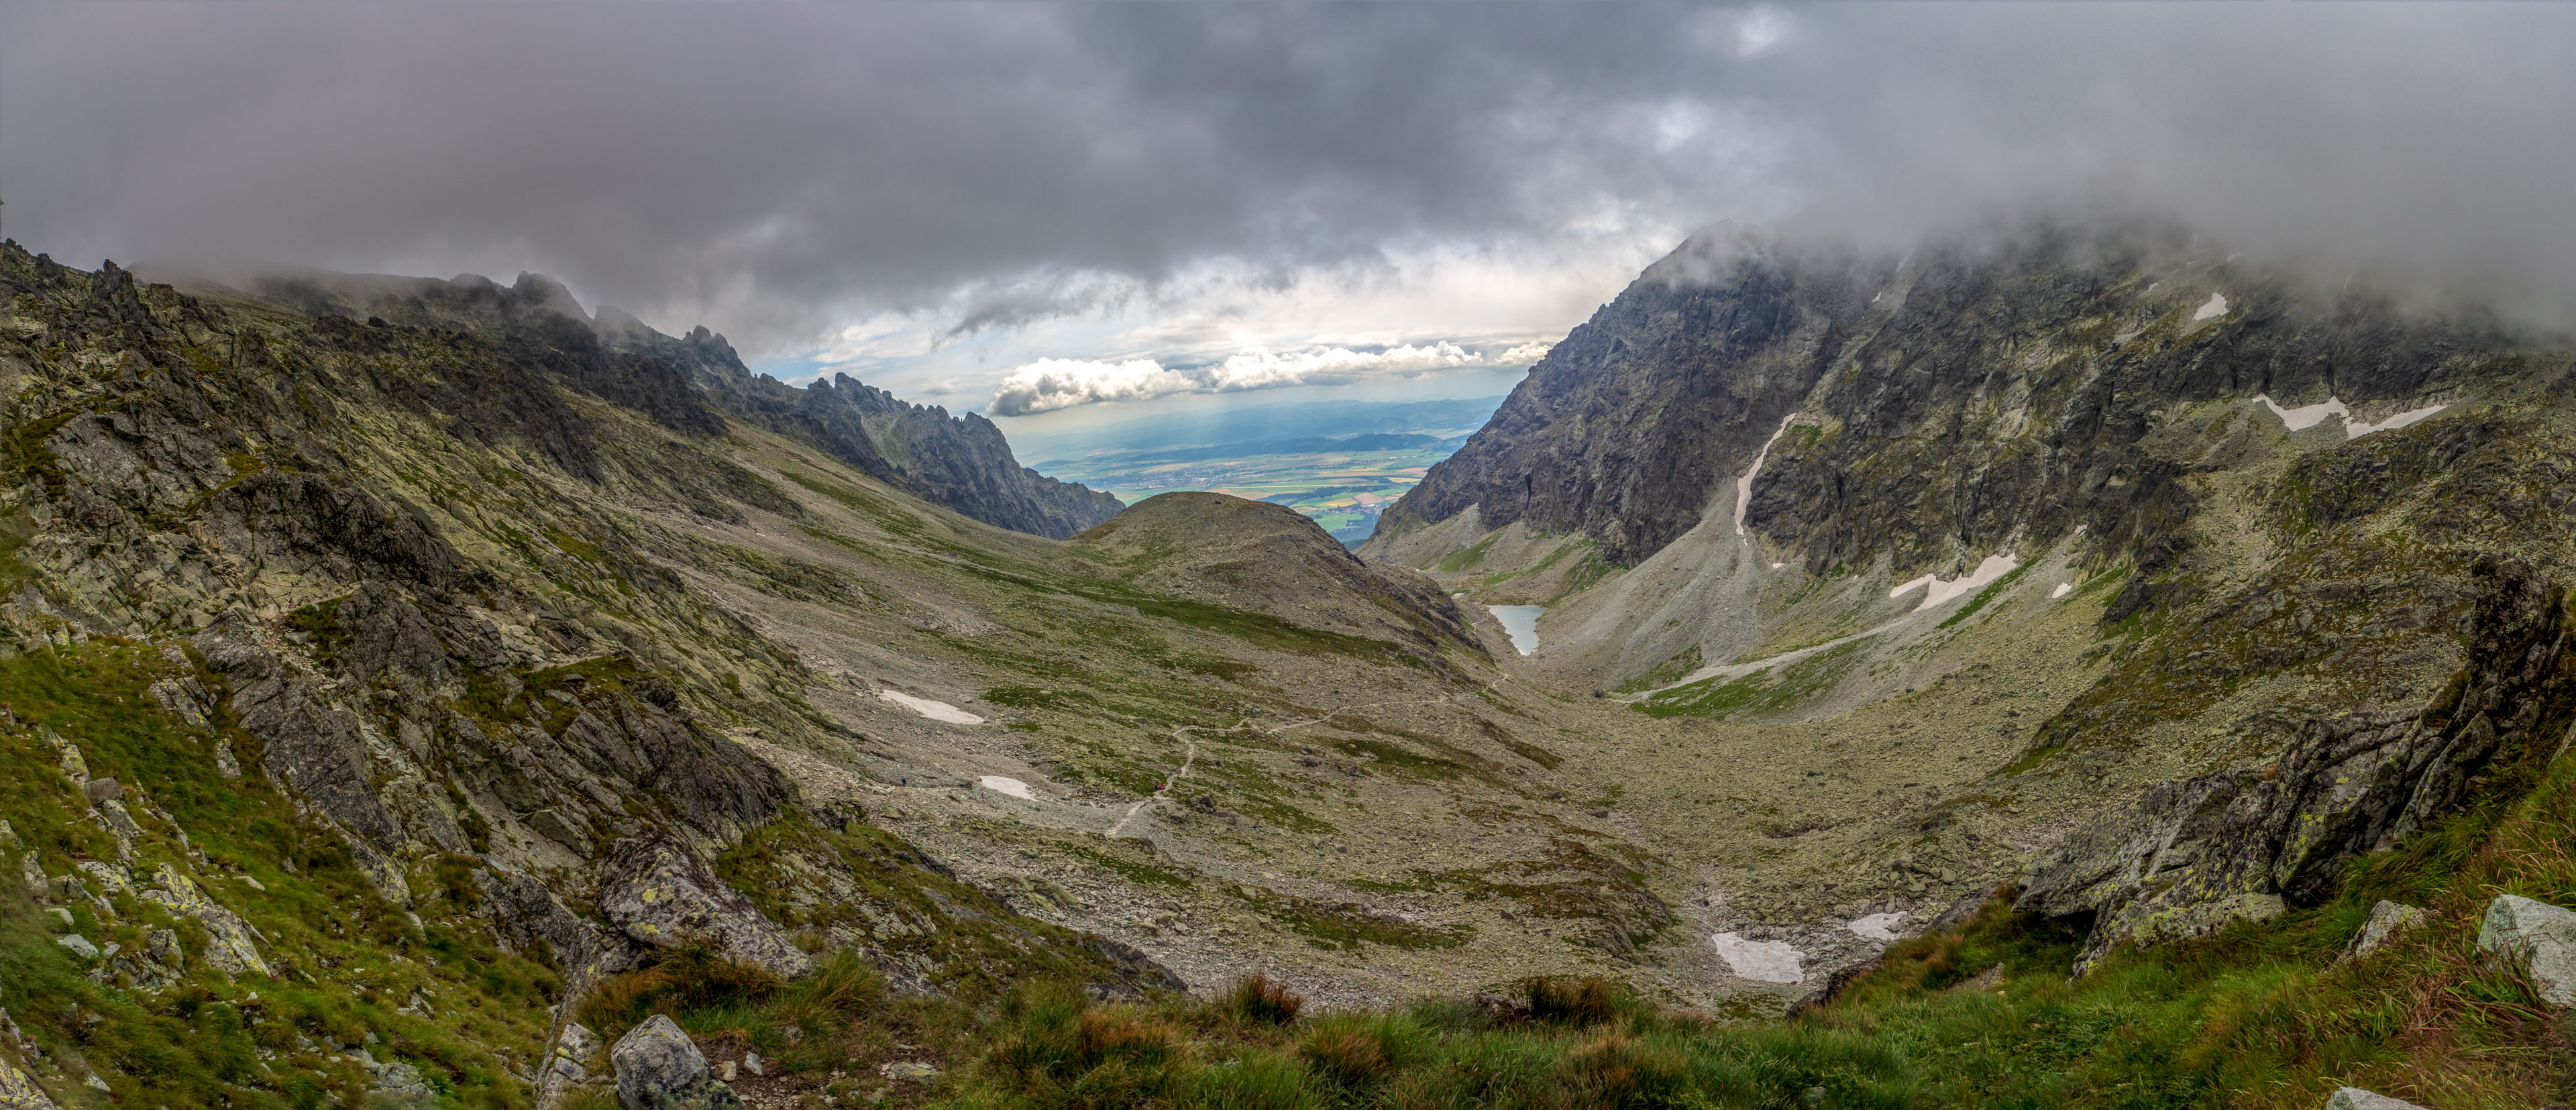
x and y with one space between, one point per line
2387 919
2190 856
661 894
184 699
18 1090
2354 1098
230 947
571 1048
659 1068
2540 938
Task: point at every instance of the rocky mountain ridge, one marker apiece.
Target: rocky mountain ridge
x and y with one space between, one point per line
962 463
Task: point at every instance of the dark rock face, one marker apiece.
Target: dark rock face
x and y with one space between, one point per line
1949 401
963 463
2194 854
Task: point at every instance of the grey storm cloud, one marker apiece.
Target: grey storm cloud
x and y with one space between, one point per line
772 168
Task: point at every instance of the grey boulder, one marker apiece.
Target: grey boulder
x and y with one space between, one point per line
659 1068
2539 936
2387 919
2354 1098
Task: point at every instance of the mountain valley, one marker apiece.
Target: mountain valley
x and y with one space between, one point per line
404 674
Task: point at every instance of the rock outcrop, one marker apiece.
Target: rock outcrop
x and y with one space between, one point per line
2193 855
18 1090
663 896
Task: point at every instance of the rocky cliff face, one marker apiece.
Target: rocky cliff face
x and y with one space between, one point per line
2193 855
1938 407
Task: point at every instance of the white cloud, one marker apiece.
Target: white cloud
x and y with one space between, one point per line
1057 383
1524 355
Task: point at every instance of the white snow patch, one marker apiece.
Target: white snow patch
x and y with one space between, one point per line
2063 589
1878 926
1937 591
935 710
1744 485
1520 622
2355 430
1763 961
1776 566
999 785
2304 417
2216 306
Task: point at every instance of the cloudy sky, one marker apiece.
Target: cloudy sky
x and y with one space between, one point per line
1025 207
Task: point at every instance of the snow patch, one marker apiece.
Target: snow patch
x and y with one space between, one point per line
1744 485
1763 961
2063 589
1776 566
2216 306
2308 416
1937 591
2354 430
935 710
999 785
1520 622
2304 417
1878 926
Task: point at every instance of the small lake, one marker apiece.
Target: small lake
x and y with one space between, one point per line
1521 621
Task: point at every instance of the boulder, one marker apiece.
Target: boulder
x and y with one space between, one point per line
2540 937
2387 919
659 1068
397 1083
2354 1098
